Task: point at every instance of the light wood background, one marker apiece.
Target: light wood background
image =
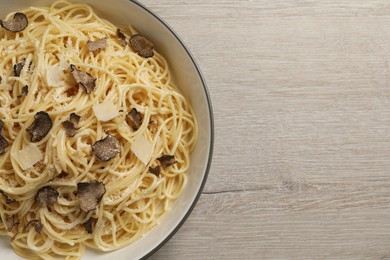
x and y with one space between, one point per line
301 96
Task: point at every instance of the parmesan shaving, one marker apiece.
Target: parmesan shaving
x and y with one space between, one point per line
105 111
64 64
142 148
28 156
54 76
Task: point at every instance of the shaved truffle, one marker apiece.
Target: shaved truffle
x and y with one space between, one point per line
17 24
89 225
46 196
70 130
107 148
18 68
75 119
8 200
83 78
142 46
63 174
24 91
89 194
167 160
1 79
97 45
156 170
153 126
11 223
3 141
121 36
37 225
40 127
70 126
135 119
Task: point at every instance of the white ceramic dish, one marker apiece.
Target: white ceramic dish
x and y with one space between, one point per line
187 76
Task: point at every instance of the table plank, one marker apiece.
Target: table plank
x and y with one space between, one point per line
301 99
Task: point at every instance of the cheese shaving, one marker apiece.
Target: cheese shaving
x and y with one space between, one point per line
54 76
105 111
28 156
142 148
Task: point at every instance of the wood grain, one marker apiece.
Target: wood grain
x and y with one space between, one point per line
301 96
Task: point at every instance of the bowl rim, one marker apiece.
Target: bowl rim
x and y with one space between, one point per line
210 109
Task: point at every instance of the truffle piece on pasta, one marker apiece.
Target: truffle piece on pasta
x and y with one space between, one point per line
3 141
70 126
36 223
17 24
63 174
89 225
8 200
97 45
106 148
156 170
167 160
75 119
46 196
1 79
40 127
121 36
18 68
24 91
89 194
142 46
11 223
153 126
83 78
135 119
70 130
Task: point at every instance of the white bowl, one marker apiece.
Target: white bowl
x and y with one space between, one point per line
187 76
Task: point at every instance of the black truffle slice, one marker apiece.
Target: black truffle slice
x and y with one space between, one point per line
37 225
24 91
75 119
83 78
18 68
97 45
121 36
153 126
156 170
142 46
8 200
46 196
70 126
107 148
63 175
135 119
3 141
70 130
89 225
89 194
40 127
11 223
17 24
167 160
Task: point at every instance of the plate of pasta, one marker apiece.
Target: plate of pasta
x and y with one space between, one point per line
106 130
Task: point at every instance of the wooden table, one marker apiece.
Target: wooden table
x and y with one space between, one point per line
301 95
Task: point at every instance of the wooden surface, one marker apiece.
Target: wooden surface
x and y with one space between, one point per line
301 96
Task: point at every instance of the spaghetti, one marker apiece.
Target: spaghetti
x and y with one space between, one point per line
140 180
